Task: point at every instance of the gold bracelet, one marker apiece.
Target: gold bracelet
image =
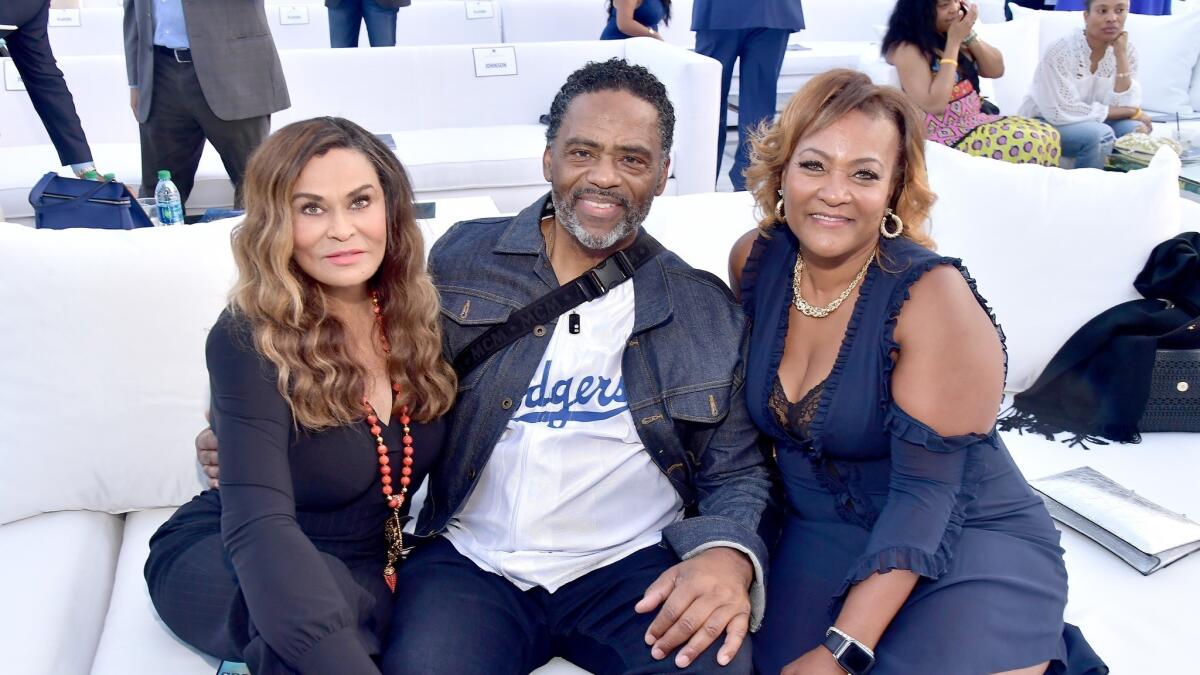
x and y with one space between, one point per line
1136 114
949 61
1125 74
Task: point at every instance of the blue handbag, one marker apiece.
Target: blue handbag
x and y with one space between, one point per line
61 203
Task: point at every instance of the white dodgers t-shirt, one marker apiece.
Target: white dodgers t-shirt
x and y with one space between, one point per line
569 487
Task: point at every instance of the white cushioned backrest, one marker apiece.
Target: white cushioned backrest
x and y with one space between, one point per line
1195 90
679 32
552 20
309 35
445 22
439 89
101 92
702 228
843 19
991 11
1017 40
428 22
102 350
1168 49
100 31
1050 248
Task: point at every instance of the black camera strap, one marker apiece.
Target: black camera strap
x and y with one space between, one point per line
610 273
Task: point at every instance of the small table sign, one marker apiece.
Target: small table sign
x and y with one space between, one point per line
495 61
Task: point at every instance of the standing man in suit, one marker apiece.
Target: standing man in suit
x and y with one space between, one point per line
345 16
29 47
756 31
200 69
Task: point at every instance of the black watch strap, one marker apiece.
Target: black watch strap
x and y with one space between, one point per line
851 655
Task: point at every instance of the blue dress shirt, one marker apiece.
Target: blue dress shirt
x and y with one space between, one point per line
170 29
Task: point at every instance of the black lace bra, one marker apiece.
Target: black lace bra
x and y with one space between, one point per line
795 417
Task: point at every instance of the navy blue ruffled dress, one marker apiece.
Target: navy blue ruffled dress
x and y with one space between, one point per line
871 489
649 14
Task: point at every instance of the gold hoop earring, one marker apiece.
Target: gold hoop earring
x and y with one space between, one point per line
779 209
883 225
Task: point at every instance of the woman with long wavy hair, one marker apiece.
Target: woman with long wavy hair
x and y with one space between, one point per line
911 543
328 388
940 58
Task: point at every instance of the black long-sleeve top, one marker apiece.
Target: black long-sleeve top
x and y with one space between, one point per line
287 494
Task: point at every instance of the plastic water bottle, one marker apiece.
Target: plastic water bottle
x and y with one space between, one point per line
170 207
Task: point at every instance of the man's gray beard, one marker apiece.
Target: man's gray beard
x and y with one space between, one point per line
564 211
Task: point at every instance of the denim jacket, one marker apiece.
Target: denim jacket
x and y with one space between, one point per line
683 372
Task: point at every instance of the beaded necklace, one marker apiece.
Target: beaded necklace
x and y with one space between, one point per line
393 530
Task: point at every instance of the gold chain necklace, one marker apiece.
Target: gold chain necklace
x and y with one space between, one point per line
822 312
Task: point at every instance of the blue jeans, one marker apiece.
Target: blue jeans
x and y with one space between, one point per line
452 618
1089 143
344 23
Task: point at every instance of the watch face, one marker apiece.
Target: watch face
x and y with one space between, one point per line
855 660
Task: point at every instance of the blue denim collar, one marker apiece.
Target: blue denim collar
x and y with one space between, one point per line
652 301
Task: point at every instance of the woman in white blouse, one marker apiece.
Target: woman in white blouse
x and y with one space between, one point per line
1086 86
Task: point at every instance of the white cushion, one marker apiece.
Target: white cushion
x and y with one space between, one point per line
58 573
819 57
1168 48
1195 95
552 20
1134 623
108 328
133 634
843 19
100 31
1017 40
1050 248
702 228
471 157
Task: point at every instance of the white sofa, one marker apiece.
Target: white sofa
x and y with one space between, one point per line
103 388
293 25
457 134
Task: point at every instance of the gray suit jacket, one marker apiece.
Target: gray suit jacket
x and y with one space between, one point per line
232 51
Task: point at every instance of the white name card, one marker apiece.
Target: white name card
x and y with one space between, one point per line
293 15
495 61
62 18
480 9
12 79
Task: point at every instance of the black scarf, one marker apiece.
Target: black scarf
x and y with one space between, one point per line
1097 385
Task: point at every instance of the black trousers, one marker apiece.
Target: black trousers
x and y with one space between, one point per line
180 120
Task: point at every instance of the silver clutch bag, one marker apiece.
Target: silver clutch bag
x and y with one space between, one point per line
1137 530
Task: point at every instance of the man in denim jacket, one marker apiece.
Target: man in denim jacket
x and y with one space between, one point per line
584 461
571 455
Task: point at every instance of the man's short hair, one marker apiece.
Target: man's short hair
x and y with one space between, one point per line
615 75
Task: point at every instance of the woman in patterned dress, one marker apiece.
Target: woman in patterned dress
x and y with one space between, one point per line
940 60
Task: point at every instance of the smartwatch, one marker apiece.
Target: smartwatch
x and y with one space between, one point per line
853 656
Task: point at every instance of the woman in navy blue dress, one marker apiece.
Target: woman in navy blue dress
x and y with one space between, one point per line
635 18
328 391
911 542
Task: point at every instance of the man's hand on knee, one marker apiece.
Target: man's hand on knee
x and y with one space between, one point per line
700 598
206 454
